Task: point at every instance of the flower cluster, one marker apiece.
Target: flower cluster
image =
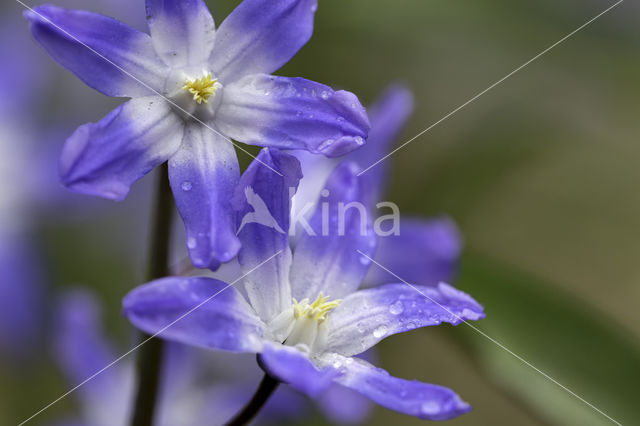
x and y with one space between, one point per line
308 306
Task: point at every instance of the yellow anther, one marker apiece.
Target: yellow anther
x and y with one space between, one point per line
318 310
201 88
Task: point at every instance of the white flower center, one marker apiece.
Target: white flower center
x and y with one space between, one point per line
194 93
304 324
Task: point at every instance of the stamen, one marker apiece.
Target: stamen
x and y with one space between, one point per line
202 88
318 310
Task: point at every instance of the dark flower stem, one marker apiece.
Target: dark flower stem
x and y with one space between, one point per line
264 391
150 355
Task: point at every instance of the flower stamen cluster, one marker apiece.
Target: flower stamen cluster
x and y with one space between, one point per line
202 88
318 310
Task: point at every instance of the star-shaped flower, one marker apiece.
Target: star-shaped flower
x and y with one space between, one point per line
302 312
194 88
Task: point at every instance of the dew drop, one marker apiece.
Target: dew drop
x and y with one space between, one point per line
186 186
191 243
411 325
380 331
396 308
365 260
326 144
430 408
359 141
324 95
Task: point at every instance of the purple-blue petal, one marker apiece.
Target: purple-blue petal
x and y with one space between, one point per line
106 54
260 36
329 261
364 318
423 400
263 205
388 115
426 253
292 113
106 157
289 365
80 346
203 175
182 31
196 311
342 405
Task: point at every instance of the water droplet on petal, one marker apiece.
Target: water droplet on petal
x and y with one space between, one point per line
411 325
430 408
396 308
186 186
380 331
191 243
359 141
324 95
326 144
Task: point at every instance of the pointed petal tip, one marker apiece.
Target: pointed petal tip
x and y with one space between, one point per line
215 259
36 14
474 312
29 15
448 410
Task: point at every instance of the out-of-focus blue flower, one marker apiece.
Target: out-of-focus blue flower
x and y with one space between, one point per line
301 311
426 251
219 86
197 388
29 192
21 278
21 299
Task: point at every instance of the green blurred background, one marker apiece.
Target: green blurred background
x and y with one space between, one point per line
540 174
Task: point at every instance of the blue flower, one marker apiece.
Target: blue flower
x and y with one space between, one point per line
426 251
302 311
218 86
82 349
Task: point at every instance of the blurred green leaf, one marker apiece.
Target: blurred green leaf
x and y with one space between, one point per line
566 339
